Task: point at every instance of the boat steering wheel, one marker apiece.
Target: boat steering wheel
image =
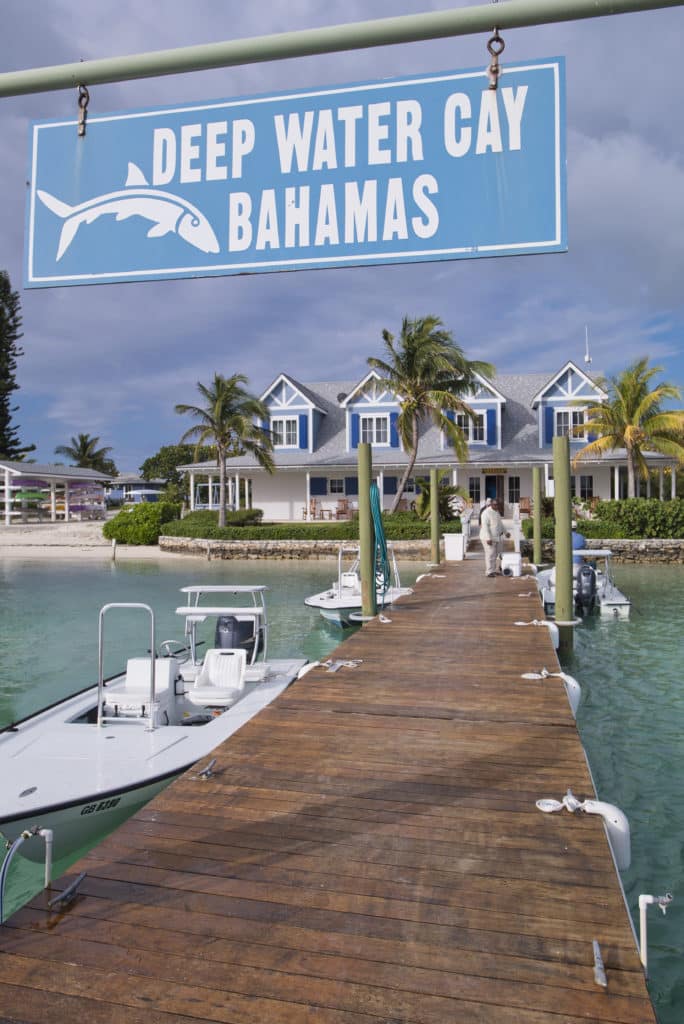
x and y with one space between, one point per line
181 654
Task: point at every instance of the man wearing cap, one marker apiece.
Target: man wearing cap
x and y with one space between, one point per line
491 532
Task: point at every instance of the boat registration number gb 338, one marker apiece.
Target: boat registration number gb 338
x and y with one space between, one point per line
103 805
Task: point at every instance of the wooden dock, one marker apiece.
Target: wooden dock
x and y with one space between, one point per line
369 852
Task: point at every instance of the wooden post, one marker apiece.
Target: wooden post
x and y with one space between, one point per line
536 515
434 517
366 532
565 608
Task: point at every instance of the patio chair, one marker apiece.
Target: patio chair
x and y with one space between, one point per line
342 509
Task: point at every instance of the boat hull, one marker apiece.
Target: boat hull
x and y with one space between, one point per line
82 824
339 609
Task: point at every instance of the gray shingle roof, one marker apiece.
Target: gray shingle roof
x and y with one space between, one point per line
520 442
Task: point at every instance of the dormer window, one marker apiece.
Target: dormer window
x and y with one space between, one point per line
285 432
473 430
568 421
375 429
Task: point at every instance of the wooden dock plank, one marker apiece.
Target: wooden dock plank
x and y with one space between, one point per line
367 851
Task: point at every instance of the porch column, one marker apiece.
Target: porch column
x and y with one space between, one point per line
673 489
66 501
237 492
53 502
192 491
308 495
8 497
616 484
210 497
661 484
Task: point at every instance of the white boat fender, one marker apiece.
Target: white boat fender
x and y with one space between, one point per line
614 820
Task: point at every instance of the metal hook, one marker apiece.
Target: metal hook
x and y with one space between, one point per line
495 47
83 100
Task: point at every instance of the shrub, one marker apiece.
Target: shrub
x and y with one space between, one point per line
641 517
141 524
398 526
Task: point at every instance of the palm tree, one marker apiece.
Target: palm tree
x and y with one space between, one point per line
230 421
83 452
429 374
633 418
451 499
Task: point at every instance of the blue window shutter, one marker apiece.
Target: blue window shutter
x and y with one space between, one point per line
318 486
351 485
548 425
390 485
451 416
303 431
355 430
394 436
491 427
591 437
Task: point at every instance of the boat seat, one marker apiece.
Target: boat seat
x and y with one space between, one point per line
222 678
132 694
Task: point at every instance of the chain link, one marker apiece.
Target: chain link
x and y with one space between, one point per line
83 100
495 47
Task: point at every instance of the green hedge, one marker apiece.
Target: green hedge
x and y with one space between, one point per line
629 519
141 524
642 517
400 526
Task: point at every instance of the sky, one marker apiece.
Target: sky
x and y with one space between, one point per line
113 360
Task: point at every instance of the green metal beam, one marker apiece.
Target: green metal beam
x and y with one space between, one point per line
354 36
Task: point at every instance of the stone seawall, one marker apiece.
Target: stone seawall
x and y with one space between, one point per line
407 550
655 551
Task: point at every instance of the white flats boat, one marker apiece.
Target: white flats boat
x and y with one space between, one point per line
343 600
86 763
593 586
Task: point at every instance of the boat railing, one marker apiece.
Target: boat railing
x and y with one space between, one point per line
195 613
100 647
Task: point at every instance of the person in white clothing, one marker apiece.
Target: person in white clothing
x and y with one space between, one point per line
492 531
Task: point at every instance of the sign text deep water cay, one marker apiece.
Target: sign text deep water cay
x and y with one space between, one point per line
427 168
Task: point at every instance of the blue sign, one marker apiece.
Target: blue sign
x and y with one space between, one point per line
434 167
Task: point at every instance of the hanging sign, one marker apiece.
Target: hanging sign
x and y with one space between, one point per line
435 167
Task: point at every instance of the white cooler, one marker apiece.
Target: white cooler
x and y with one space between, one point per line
511 563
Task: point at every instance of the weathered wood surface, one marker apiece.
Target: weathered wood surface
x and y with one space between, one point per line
368 851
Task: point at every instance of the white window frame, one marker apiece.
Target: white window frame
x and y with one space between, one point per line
575 418
478 427
474 431
286 422
378 419
336 480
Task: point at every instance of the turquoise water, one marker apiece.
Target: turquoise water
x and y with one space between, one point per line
631 719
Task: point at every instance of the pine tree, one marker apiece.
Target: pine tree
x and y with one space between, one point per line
10 350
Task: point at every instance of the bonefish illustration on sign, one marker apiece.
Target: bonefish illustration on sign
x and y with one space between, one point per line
436 167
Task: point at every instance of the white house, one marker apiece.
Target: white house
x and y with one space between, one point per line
316 430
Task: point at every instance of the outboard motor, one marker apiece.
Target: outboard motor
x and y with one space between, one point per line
234 633
586 589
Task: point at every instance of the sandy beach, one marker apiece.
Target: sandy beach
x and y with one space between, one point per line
68 540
